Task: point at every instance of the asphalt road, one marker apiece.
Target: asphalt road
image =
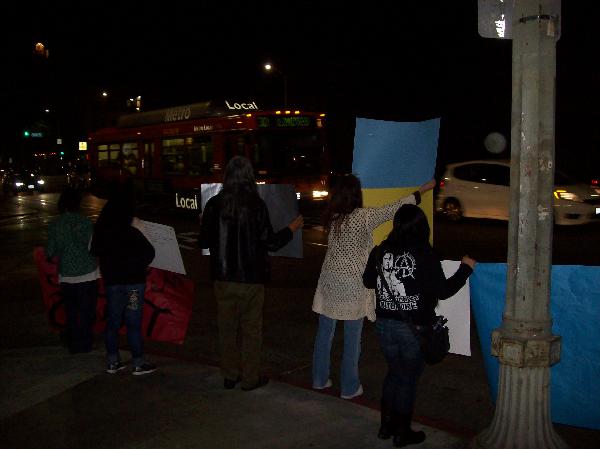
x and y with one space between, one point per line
453 395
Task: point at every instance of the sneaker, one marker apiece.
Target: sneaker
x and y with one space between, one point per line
112 368
328 384
145 368
355 395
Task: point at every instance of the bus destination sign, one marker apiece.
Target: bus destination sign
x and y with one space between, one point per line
286 121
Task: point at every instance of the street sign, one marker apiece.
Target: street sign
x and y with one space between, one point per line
495 18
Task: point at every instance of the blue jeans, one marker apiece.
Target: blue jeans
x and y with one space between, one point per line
80 308
121 302
405 365
322 354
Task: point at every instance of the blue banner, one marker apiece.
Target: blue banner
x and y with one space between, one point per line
575 309
395 154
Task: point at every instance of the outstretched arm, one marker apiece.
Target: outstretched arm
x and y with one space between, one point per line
427 186
445 288
296 223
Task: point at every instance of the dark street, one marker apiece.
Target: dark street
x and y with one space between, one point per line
453 395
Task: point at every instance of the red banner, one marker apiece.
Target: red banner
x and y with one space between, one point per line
167 301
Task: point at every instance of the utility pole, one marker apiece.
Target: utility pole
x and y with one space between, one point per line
268 67
524 344
285 91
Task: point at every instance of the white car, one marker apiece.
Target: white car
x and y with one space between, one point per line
480 189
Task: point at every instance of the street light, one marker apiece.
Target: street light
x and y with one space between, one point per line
41 50
52 115
271 68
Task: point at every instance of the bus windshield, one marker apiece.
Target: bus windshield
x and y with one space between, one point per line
291 153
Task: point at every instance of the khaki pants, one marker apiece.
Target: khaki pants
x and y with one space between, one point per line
239 310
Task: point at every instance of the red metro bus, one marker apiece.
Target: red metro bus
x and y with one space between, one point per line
172 151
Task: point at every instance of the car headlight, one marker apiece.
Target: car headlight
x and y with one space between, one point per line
40 181
18 184
320 193
561 194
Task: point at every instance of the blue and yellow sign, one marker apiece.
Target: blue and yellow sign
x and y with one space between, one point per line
392 159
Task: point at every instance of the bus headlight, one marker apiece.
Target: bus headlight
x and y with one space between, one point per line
317 194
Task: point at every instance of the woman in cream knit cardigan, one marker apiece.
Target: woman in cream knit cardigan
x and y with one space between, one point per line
340 293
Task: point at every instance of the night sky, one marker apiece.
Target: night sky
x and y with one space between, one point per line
397 60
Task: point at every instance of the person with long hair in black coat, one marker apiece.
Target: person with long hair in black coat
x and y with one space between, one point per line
237 230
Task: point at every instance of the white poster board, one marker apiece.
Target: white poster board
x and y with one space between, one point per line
457 311
283 208
164 240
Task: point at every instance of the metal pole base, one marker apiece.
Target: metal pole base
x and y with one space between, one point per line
521 420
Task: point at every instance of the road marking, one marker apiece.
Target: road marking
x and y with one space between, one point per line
185 239
188 237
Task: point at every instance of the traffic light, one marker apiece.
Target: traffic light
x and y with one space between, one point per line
26 133
62 153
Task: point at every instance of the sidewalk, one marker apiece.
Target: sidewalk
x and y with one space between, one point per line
52 399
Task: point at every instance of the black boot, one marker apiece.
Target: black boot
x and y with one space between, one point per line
386 430
405 435
388 420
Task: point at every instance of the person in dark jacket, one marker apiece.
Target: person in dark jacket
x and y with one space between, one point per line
408 280
237 230
124 254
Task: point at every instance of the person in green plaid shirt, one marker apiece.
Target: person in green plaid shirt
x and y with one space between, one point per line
68 241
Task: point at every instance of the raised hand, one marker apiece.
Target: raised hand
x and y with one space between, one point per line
427 186
467 260
296 223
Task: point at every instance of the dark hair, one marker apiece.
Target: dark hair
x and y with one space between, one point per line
69 200
118 212
410 226
239 187
345 195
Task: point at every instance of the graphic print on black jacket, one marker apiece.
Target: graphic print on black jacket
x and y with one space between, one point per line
409 280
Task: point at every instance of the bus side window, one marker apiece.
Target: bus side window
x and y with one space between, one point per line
173 156
261 154
114 154
130 157
103 160
200 153
235 145
148 158
240 146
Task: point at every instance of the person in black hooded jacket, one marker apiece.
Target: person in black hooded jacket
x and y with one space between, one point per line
408 280
124 254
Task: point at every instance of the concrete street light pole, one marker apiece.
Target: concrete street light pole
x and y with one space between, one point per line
524 344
